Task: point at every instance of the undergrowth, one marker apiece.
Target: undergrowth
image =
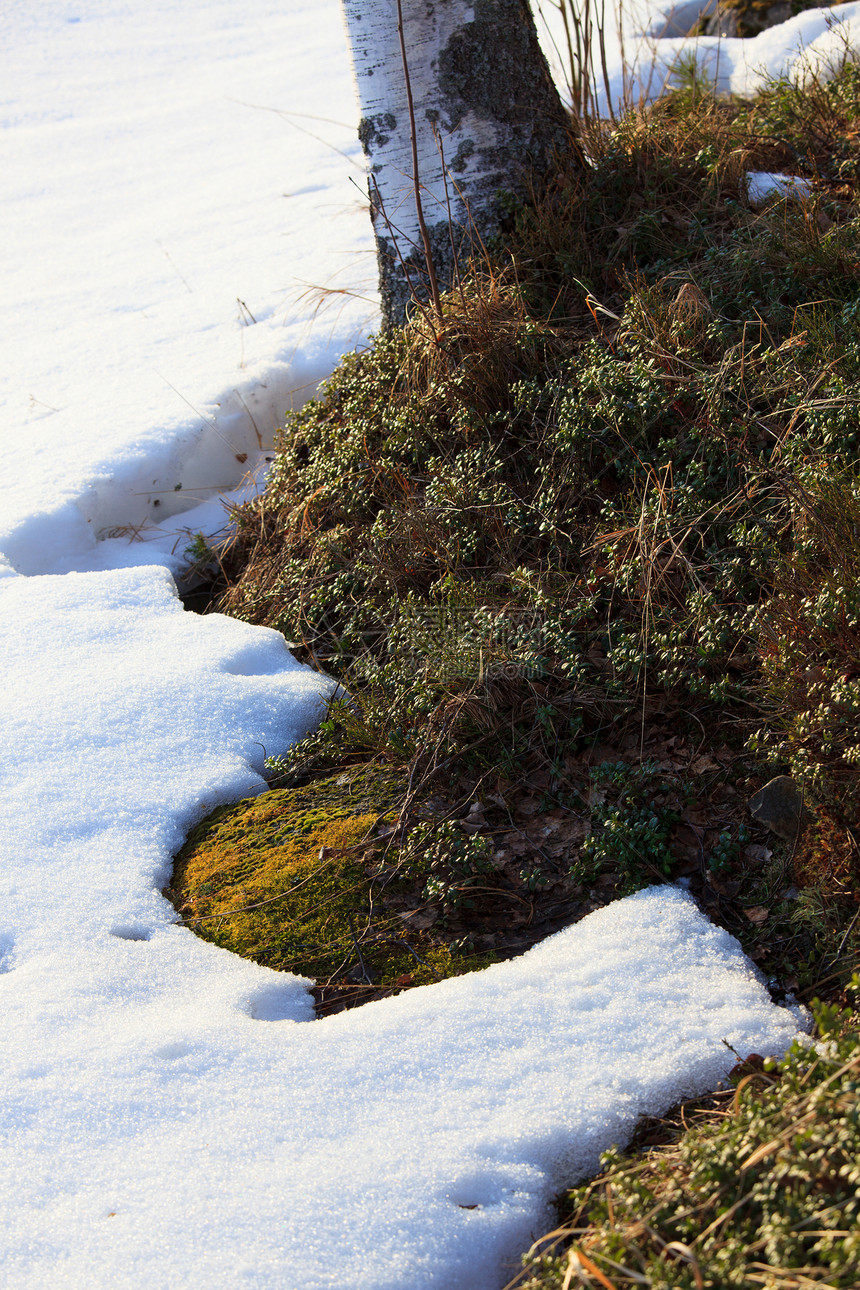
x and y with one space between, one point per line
583 554
622 465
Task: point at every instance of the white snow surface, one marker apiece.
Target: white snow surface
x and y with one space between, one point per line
809 44
645 48
174 177
172 1115
764 184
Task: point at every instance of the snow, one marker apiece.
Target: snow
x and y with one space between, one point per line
156 1084
807 45
641 56
763 184
175 178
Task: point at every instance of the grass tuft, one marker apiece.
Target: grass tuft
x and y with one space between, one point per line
762 1188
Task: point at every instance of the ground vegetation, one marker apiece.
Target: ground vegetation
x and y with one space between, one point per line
583 551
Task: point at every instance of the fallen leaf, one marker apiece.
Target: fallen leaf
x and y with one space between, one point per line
699 816
420 918
747 1066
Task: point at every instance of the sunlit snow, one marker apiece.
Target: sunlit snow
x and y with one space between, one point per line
642 50
178 178
175 176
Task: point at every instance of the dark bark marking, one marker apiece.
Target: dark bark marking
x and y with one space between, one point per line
375 131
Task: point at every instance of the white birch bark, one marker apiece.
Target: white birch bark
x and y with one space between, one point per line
483 99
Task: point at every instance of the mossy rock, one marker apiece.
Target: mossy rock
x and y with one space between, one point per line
746 18
291 880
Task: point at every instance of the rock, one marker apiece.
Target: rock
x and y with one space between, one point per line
746 18
779 807
680 20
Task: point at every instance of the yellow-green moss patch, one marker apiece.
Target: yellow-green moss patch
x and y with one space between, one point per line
291 880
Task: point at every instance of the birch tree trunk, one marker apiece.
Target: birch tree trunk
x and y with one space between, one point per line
483 99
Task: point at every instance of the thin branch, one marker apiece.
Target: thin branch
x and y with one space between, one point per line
425 236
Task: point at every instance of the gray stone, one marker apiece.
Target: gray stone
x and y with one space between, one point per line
779 807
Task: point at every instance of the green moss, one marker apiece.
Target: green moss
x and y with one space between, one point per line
289 879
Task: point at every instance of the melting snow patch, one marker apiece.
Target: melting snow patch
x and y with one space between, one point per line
809 45
413 1143
153 309
761 185
416 1142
